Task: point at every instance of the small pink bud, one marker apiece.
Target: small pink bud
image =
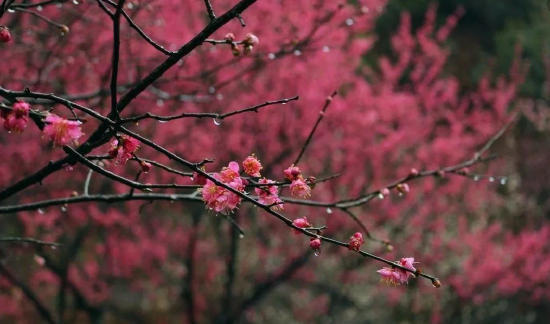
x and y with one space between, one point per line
5 35
385 191
413 173
436 283
403 188
145 166
248 49
315 243
235 50
21 109
199 179
356 241
230 37
251 39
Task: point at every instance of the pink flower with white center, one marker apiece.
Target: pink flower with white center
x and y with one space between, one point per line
299 188
16 119
252 166
301 223
62 131
292 173
268 195
123 151
356 241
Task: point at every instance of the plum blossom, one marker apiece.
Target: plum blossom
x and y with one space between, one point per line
356 241
292 173
301 223
123 151
315 244
220 199
268 195
62 131
299 188
396 276
252 166
16 119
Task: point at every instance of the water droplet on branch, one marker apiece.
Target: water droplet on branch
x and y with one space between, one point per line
217 121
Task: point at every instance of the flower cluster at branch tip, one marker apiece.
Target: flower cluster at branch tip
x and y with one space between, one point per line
62 131
396 276
301 223
268 195
5 35
122 151
252 166
220 199
298 187
356 241
249 41
16 119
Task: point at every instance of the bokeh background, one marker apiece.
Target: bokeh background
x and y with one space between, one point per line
422 84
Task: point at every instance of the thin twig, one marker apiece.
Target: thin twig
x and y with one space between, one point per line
209 9
210 115
27 240
321 116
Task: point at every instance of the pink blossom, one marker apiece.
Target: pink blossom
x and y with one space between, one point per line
5 35
16 119
145 166
403 188
299 188
292 173
252 166
219 199
395 276
231 172
268 195
390 276
124 150
62 131
251 40
315 244
199 179
301 223
356 241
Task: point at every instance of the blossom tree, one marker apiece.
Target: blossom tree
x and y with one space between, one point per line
159 155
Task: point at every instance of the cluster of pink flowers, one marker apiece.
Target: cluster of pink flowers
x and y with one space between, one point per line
62 131
220 199
268 195
356 241
124 150
16 119
249 41
396 276
298 187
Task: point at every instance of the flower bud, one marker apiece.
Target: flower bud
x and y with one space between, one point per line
315 243
235 50
413 173
145 166
230 37
5 35
251 40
